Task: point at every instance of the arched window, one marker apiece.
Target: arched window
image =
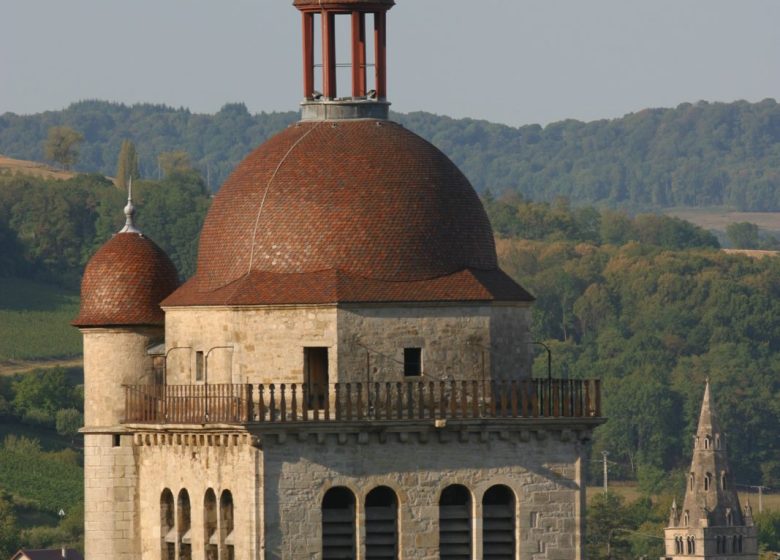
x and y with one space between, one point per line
735 544
184 526
707 481
729 517
210 537
717 442
739 543
693 545
338 524
498 524
686 519
167 526
692 479
226 525
707 441
381 524
723 480
455 523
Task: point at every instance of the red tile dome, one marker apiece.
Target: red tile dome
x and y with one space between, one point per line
364 197
124 283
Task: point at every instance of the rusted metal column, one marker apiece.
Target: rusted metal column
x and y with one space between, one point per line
380 53
329 54
358 54
308 55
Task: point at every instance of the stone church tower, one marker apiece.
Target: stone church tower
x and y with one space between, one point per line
711 523
348 373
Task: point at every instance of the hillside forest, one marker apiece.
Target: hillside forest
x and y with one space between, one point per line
646 302
702 154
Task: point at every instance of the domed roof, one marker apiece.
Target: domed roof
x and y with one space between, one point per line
124 283
365 198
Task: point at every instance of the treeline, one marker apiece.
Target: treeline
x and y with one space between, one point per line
49 228
513 216
703 154
654 323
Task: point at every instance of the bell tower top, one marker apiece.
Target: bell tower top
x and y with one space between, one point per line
364 102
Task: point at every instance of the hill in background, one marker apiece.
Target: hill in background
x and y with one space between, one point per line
703 154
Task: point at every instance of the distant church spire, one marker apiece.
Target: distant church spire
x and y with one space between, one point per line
711 523
129 211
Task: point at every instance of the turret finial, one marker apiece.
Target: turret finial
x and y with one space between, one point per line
129 211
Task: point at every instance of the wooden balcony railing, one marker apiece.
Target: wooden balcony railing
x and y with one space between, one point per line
363 402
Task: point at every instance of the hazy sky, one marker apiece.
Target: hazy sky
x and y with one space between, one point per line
510 61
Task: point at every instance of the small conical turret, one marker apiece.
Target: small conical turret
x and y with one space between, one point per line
674 514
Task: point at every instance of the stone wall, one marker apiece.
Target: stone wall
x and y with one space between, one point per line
543 471
265 344
113 358
196 462
110 507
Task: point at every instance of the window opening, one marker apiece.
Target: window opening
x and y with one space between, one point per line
412 362
210 525
338 524
226 524
455 523
167 526
723 480
184 526
315 373
498 524
381 524
199 366
117 440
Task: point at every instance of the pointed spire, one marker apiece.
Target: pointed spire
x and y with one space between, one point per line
129 211
708 425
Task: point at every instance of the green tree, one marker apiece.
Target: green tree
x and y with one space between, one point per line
8 529
127 164
62 145
177 161
743 235
46 390
768 524
68 421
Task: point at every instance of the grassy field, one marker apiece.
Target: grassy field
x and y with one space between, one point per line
23 167
719 219
35 321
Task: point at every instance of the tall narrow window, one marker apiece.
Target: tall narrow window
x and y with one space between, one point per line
381 524
315 374
412 362
498 524
167 526
707 481
184 521
455 523
211 536
199 366
338 524
723 480
226 526
692 479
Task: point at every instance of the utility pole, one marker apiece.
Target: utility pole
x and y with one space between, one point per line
604 455
760 497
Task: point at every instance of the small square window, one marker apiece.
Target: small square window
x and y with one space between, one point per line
412 362
117 440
